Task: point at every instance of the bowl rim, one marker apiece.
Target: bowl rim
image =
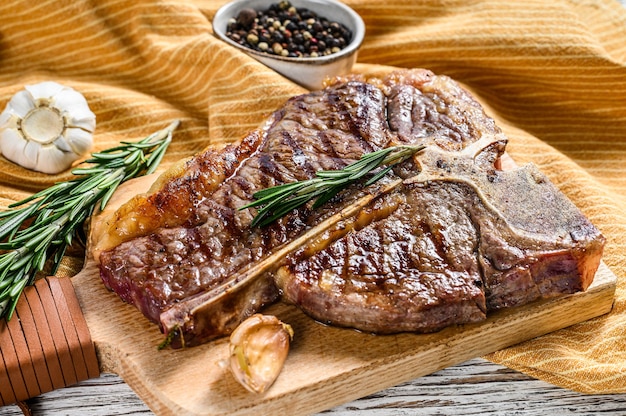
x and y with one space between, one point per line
358 34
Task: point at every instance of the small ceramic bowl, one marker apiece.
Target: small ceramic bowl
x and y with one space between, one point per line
308 72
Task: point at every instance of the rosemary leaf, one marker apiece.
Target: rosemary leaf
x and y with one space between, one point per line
279 189
378 176
58 256
326 196
105 198
16 290
330 174
41 196
12 224
266 217
154 160
277 201
56 215
108 154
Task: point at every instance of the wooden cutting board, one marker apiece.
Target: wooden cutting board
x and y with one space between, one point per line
326 366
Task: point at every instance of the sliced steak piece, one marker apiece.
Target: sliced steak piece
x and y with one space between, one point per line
201 269
451 243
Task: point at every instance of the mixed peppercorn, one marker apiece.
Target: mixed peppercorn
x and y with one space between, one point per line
288 31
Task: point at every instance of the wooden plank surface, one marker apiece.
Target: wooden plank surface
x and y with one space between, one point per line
475 387
326 367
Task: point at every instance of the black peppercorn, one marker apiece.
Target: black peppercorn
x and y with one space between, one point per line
278 37
317 27
285 30
246 17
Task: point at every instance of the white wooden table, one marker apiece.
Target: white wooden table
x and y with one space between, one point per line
476 387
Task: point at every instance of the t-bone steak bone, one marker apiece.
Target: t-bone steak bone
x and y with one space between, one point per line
443 239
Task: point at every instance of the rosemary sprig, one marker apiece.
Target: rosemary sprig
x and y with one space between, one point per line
277 201
43 225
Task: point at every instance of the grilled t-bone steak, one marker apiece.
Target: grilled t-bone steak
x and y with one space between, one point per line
443 239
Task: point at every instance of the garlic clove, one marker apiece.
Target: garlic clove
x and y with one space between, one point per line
30 154
20 104
63 144
78 140
51 157
44 90
74 107
54 123
8 120
12 144
258 350
84 119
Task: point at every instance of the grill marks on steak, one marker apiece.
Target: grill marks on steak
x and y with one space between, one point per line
214 241
431 245
436 112
456 241
392 275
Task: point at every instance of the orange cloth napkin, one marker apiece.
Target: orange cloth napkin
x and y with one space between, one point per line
553 75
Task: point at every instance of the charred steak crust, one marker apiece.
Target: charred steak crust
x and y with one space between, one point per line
447 246
442 240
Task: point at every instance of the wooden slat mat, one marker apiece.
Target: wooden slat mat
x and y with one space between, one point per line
46 344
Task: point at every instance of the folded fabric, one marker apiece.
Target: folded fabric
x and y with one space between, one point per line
553 75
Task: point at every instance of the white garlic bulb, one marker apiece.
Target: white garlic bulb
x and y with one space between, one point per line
46 127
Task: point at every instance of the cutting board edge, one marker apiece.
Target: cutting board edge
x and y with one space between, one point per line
390 371
596 301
